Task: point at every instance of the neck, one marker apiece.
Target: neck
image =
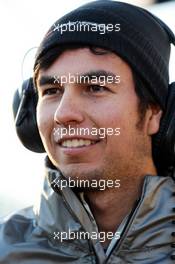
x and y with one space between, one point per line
110 206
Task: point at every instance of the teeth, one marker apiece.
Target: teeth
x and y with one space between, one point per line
74 143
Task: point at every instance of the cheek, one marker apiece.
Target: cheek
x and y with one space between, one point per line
109 116
44 118
123 116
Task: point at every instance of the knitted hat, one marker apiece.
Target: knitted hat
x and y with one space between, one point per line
133 33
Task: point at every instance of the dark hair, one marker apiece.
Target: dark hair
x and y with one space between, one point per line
141 87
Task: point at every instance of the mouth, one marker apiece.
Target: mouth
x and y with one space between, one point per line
77 143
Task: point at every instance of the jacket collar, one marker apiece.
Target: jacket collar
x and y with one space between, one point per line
150 224
60 209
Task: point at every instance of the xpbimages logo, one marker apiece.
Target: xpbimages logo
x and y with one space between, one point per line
101 184
102 79
86 26
101 132
71 235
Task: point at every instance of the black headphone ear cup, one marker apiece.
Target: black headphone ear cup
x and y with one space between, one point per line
164 140
24 110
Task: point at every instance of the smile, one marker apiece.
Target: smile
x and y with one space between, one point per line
77 143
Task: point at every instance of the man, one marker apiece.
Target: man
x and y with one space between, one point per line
101 70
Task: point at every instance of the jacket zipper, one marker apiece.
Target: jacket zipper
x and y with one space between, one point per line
101 261
130 221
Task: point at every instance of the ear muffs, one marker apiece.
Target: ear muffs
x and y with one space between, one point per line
164 140
24 110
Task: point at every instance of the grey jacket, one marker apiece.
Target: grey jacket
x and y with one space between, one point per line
30 236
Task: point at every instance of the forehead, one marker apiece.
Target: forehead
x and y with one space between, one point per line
83 59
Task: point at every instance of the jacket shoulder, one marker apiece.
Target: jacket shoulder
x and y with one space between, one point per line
15 227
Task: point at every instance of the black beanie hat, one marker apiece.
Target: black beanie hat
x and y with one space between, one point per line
140 38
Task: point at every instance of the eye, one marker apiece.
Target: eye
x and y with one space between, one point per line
51 91
97 89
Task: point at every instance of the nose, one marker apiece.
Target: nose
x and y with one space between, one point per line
69 109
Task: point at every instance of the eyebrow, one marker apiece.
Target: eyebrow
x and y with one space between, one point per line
45 80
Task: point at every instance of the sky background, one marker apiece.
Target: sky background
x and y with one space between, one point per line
22 26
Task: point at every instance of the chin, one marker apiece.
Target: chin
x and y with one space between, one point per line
81 171
74 170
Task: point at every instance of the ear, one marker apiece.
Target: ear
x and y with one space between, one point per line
154 116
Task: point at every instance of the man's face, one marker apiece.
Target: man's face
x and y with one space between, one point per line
87 105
